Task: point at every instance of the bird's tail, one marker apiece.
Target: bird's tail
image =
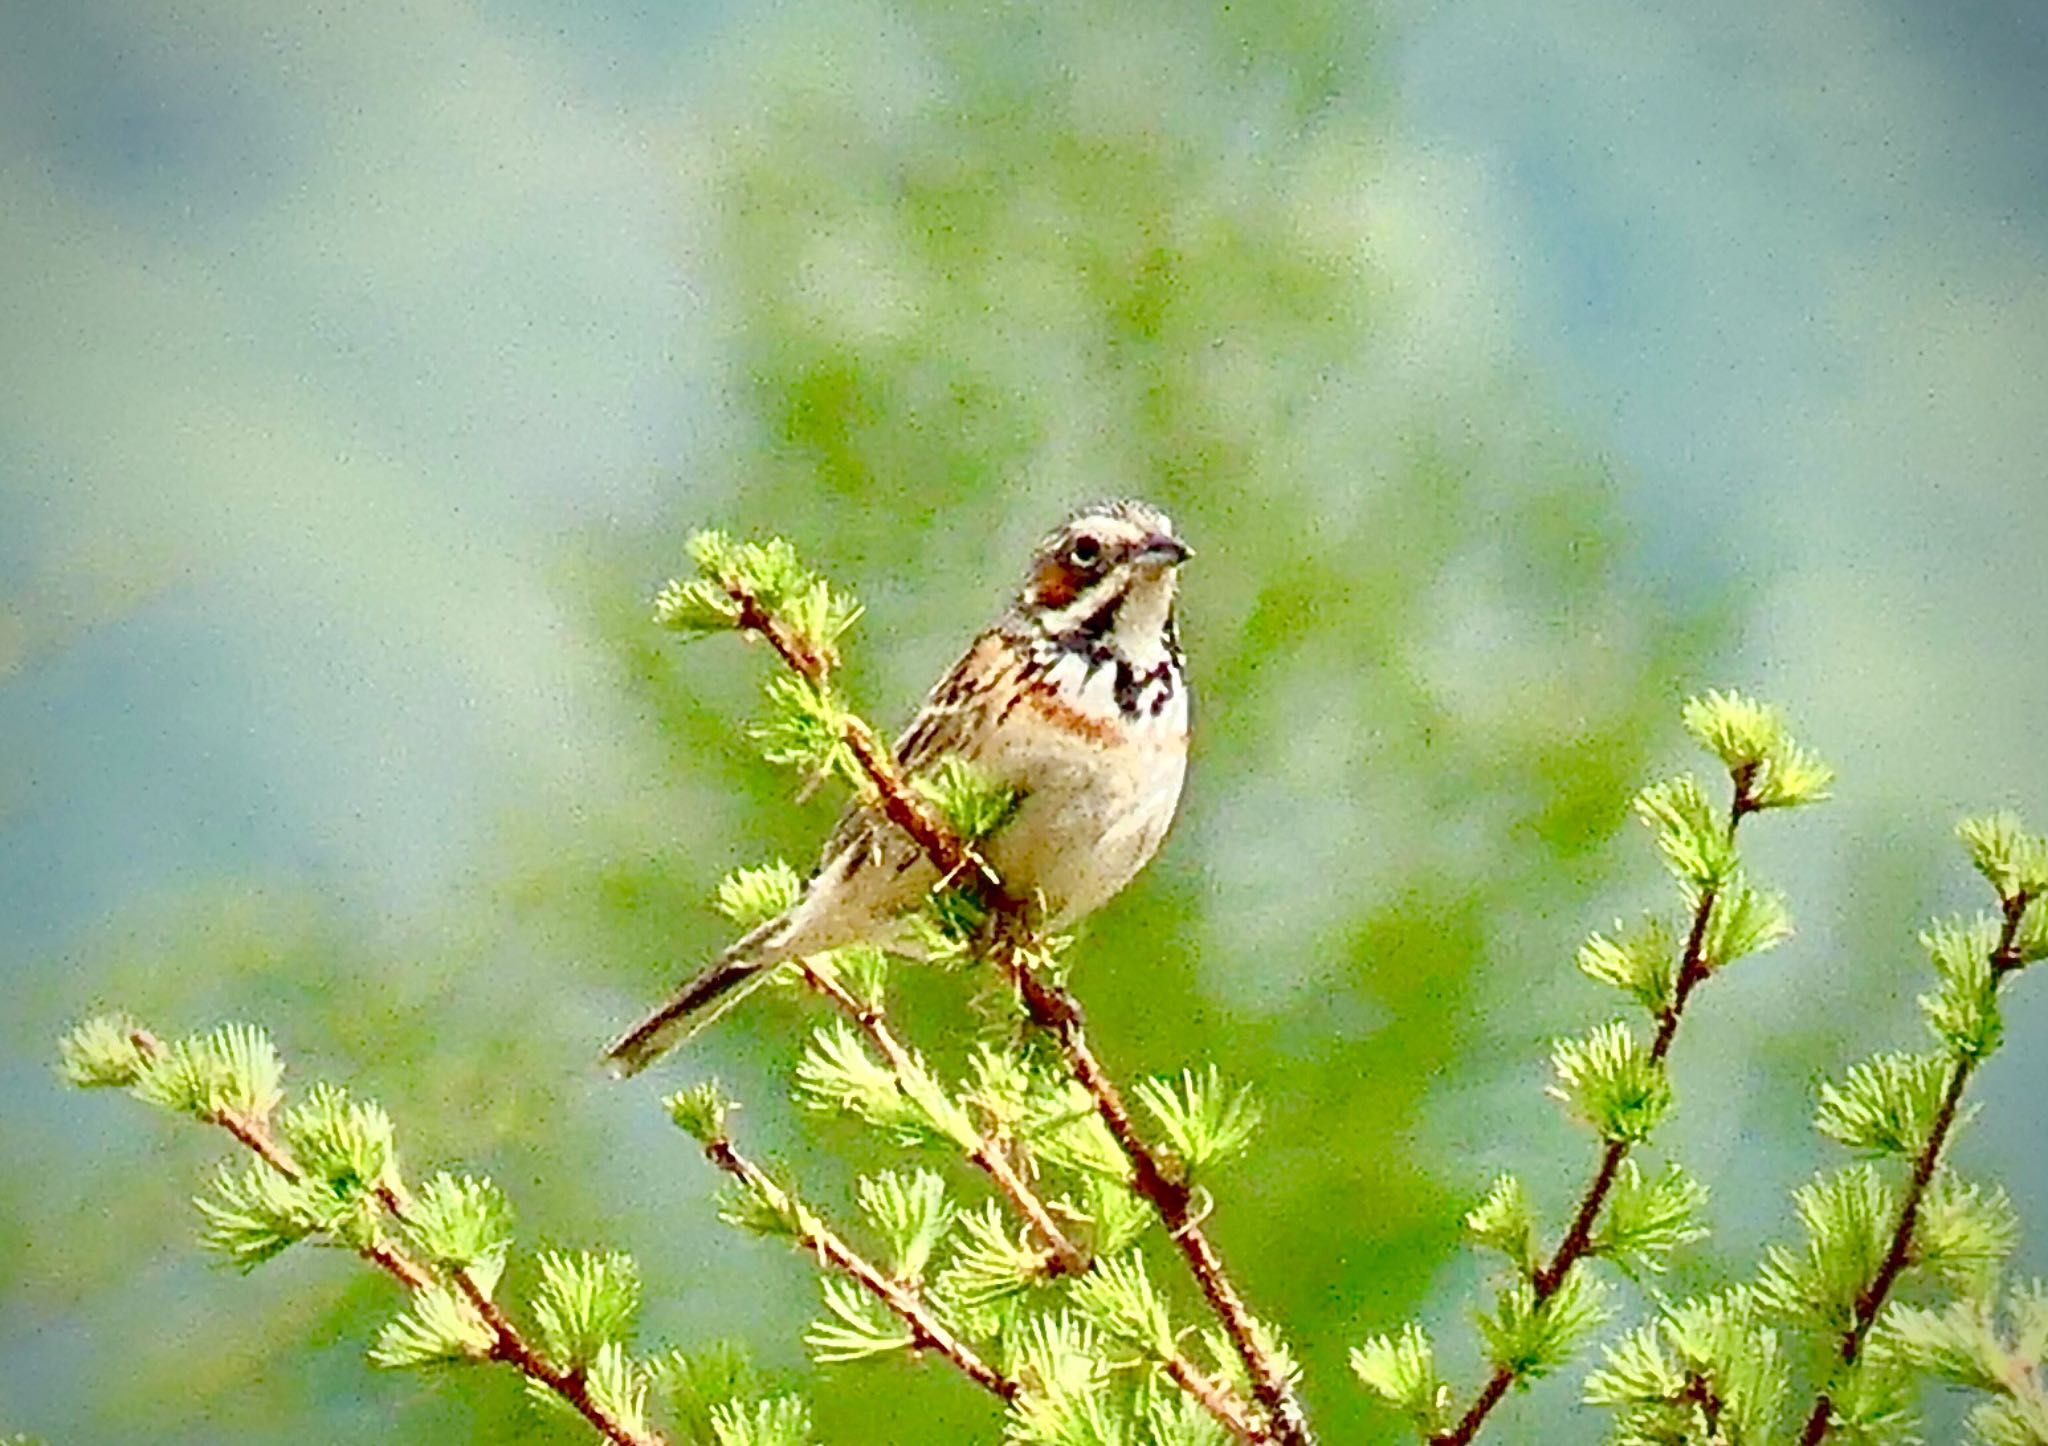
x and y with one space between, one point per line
724 982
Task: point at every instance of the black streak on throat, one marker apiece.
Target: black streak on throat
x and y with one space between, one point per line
1088 640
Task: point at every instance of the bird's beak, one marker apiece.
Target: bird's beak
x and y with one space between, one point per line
1162 551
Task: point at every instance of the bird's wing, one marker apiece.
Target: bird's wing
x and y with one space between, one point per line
957 717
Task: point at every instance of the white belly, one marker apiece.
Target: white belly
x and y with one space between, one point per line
1096 803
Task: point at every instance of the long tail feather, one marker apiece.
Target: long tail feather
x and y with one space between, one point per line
744 964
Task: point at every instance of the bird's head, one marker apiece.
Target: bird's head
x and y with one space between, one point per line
1108 575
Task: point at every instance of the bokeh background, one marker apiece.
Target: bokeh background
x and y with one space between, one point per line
1516 370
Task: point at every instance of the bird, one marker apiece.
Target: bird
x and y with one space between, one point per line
1075 699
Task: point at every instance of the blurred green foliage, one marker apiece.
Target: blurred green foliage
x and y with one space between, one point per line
974 265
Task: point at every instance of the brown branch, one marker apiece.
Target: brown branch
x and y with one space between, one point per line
927 1331
955 860
1578 1237
1700 1391
1214 1397
510 1346
1053 1009
1870 1301
1693 970
1482 1406
1066 1258
1063 1256
253 1134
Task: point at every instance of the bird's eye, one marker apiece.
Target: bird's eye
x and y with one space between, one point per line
1085 551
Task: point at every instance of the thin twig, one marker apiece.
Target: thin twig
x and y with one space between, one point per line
955 860
927 1331
1214 1397
1055 1010
1700 1391
1210 1394
1063 1256
1871 1300
1547 1278
253 1134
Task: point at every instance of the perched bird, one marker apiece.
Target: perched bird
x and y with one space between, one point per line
1075 699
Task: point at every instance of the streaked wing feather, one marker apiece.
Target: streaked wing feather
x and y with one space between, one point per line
952 720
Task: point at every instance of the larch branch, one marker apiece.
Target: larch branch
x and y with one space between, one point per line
1549 1277
252 1132
1870 1302
1055 1010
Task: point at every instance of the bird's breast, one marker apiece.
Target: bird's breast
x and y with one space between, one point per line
1100 779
